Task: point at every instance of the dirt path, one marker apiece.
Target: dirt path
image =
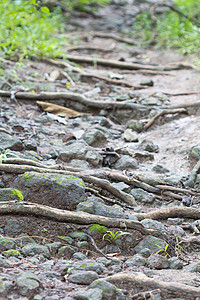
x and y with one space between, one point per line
113 89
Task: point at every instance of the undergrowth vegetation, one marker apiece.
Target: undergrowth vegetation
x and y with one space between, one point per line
29 28
177 27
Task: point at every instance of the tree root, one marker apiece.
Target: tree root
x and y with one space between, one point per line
162 113
172 212
104 184
167 288
75 97
37 210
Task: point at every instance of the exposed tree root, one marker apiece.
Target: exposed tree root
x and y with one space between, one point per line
89 47
113 36
172 212
37 210
75 97
105 184
162 113
167 288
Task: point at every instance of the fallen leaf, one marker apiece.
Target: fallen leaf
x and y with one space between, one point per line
59 110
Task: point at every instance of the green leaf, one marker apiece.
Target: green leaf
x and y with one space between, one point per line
45 10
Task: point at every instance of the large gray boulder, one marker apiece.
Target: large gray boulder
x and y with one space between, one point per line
51 189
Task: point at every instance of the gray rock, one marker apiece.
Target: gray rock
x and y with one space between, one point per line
156 261
91 294
136 260
6 243
11 142
33 249
101 209
149 146
130 135
125 162
6 285
53 247
9 194
195 152
145 252
135 125
94 137
83 277
79 256
82 244
56 190
110 291
28 284
141 195
66 251
160 169
80 150
150 242
3 262
122 186
175 263
153 224
104 261
78 235
30 145
78 163
89 265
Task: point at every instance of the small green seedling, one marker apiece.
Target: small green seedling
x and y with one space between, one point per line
163 250
111 236
3 156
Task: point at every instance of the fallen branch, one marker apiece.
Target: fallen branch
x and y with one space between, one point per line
88 47
75 97
104 184
37 210
113 36
162 113
169 288
172 212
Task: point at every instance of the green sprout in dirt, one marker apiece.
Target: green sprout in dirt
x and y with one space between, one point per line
112 237
4 156
163 251
178 248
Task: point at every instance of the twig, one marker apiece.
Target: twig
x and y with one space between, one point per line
95 246
88 47
5 131
164 112
176 189
114 37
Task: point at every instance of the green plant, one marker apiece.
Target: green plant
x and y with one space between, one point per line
178 248
111 236
26 29
177 28
163 250
3 156
97 228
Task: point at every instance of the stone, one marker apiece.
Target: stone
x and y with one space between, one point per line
193 267
83 277
125 162
55 190
195 152
110 291
130 135
149 146
150 242
156 261
94 137
91 294
78 163
145 252
6 285
11 142
3 262
89 265
9 194
175 263
28 284
33 249
153 224
82 236
135 125
141 195
79 256
80 150
6 243
101 209
66 251
122 186
160 169
136 260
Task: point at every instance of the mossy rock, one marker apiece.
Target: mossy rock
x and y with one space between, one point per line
9 194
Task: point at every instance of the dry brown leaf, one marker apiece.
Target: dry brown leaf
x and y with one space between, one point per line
58 110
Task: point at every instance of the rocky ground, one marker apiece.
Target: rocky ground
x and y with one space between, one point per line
99 196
